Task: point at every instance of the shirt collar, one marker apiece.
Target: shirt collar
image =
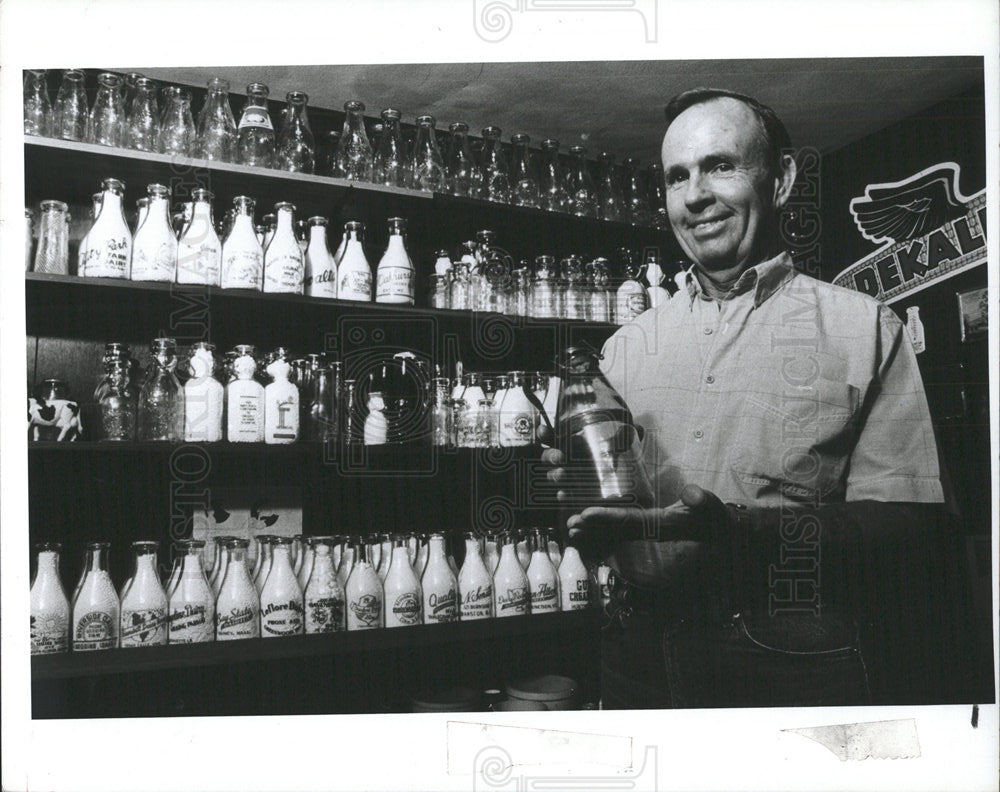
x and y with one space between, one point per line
764 278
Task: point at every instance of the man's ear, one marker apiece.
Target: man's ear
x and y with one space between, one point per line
784 181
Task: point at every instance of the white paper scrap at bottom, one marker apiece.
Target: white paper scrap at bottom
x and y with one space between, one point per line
890 739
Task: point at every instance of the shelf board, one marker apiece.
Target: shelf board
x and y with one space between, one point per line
114 662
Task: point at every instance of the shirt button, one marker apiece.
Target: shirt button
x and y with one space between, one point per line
698 434
709 379
707 331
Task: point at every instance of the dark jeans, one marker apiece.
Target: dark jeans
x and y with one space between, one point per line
651 660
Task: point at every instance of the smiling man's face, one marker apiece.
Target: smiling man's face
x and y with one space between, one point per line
721 195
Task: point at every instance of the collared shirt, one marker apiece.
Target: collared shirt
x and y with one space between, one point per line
787 390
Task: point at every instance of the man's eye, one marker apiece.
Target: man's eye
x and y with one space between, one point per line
675 178
723 167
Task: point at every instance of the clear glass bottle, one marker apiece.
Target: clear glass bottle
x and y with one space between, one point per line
49 606
364 593
161 398
81 253
523 182
177 132
70 112
511 592
609 191
439 291
324 596
601 299
109 241
95 606
545 293
580 185
543 580
395 273
204 397
114 351
117 403
37 108
142 118
284 268
494 175
143 601
28 225
192 601
281 402
576 302
105 123
154 247
657 196
427 166
255 134
242 254
245 400
320 268
199 250
467 416
216 134
52 252
475 583
551 185
460 167
630 300
237 608
634 194
574 581
281 601
329 145
354 154
402 594
296 146
353 417
392 161
354 273
460 287
441 412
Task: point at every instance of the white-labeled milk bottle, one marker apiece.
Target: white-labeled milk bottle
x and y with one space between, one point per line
492 554
192 602
284 268
109 241
144 604
154 247
81 254
475 583
199 251
522 549
383 553
242 253
49 606
95 605
237 608
364 594
517 416
281 402
395 282
307 556
511 593
630 299
543 581
354 273
654 276
321 269
324 596
401 593
204 397
376 423
439 585
281 604
574 582
245 400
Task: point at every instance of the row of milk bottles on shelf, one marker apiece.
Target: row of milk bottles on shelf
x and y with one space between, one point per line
268 259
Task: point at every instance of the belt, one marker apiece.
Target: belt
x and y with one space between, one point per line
665 605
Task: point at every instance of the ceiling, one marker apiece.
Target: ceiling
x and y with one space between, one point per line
617 106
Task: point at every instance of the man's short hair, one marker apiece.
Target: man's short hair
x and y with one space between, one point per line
776 139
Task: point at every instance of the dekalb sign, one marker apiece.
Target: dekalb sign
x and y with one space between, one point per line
929 229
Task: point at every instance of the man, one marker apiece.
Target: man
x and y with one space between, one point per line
788 438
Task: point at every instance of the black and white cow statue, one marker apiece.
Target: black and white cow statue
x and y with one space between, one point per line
53 419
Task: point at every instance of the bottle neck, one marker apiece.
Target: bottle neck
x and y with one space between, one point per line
285 221
472 548
48 562
191 565
145 565
435 549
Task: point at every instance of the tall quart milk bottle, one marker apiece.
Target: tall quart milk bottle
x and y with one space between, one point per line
543 581
394 279
49 606
96 606
364 594
281 604
237 609
242 253
245 400
475 583
204 397
154 248
281 402
199 251
511 593
574 582
307 556
439 585
284 268
354 273
654 276
402 594
144 605
324 596
109 241
192 602
321 269
517 416
81 254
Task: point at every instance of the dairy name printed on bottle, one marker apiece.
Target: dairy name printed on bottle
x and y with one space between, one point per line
395 282
95 630
255 117
355 285
282 618
144 627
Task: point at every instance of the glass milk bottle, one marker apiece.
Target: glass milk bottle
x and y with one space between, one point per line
376 423
354 273
192 601
511 593
654 276
304 562
543 580
283 265
381 556
324 595
439 585
364 594
199 251
242 254
117 403
347 558
395 270
281 597
218 573
95 603
161 398
281 402
401 593
475 583
545 292
630 301
255 133
423 550
600 297
237 608
144 602
491 555
262 564
154 248
81 253
109 241
574 582
321 270
517 416
203 397
49 606
245 400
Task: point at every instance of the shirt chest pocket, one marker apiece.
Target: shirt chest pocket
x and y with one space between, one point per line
797 443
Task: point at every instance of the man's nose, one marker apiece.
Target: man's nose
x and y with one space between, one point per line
697 195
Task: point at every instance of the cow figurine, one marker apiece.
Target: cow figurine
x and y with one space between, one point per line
53 419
